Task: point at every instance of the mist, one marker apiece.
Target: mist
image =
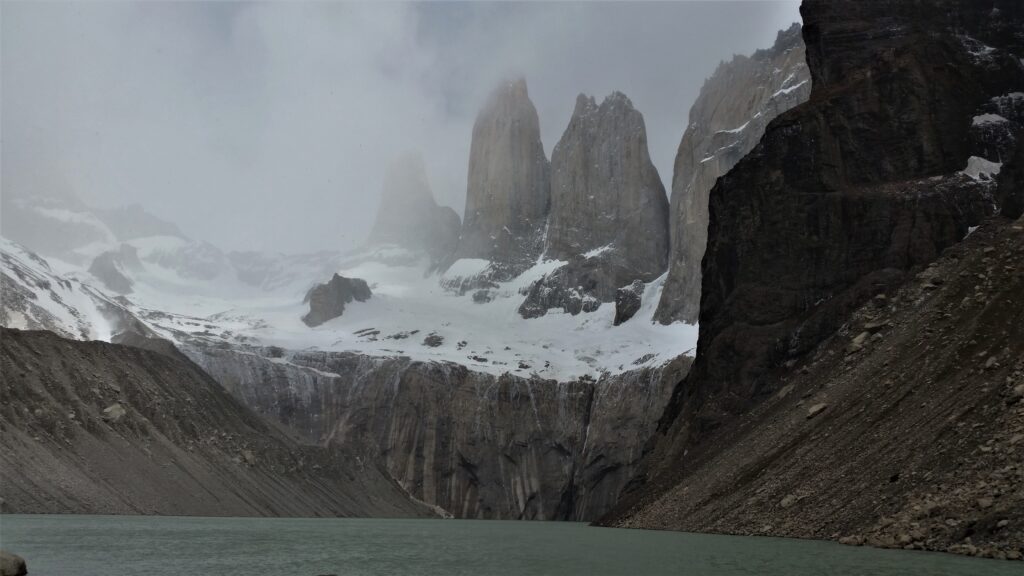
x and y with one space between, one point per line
270 126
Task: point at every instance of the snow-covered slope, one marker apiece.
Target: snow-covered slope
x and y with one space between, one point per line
36 297
179 293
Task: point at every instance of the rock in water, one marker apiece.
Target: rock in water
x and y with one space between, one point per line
726 122
409 216
627 301
12 564
327 301
508 189
606 194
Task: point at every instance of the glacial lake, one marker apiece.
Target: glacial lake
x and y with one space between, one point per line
159 546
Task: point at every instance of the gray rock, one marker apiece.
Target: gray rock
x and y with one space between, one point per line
114 413
327 301
816 409
726 122
605 192
508 188
12 564
409 216
627 301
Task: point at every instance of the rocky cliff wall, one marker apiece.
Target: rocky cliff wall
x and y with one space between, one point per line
476 445
728 119
877 174
509 184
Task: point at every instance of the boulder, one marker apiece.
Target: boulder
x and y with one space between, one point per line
327 301
627 301
114 413
12 564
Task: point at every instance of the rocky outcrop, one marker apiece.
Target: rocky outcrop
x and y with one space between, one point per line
609 213
508 190
627 301
327 301
409 216
903 430
474 444
605 192
843 196
96 428
728 119
111 268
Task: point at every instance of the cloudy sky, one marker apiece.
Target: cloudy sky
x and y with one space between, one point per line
268 126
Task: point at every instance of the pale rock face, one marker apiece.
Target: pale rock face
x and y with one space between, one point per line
726 122
409 216
609 213
508 190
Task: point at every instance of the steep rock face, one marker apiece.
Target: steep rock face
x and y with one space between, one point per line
508 190
726 122
609 213
409 216
328 300
96 428
476 445
906 428
606 193
842 196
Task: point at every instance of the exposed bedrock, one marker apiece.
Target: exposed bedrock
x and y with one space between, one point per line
509 184
609 213
842 197
476 445
327 301
728 119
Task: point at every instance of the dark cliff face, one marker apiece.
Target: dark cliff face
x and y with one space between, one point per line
508 188
728 119
409 216
843 195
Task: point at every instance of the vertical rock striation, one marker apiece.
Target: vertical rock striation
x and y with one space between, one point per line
473 444
609 213
605 192
728 119
409 216
508 189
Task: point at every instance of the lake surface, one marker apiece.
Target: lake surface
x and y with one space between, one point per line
158 546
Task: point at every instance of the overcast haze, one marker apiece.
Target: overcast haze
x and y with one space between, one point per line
269 126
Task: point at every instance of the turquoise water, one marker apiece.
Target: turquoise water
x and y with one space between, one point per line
158 546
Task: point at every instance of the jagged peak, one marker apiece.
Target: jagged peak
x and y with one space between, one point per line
584 105
617 98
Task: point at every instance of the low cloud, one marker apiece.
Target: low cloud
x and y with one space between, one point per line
269 126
